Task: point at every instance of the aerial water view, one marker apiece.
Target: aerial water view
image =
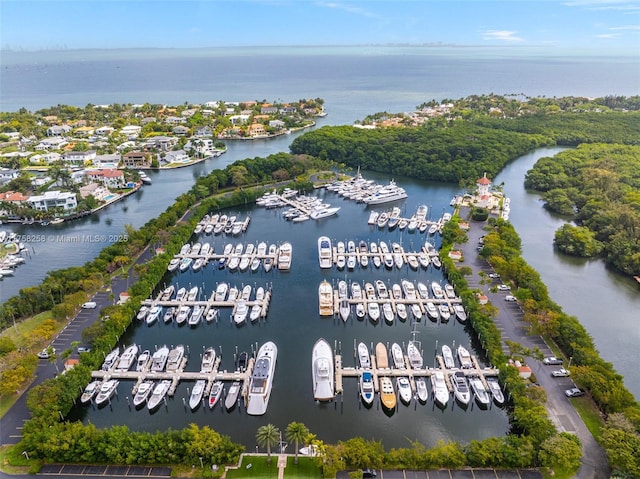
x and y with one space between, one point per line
320 239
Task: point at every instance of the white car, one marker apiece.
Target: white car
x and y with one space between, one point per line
552 360
494 275
560 373
510 297
89 305
504 287
46 353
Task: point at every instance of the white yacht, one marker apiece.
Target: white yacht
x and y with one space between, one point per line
323 212
496 390
153 314
413 353
106 391
464 357
284 256
397 356
325 298
111 359
196 393
158 394
159 359
439 386
174 359
437 290
445 314
208 360
262 379
447 357
404 389
128 358
232 395
325 252
344 309
460 387
421 389
460 313
183 314
432 310
389 193
322 371
90 391
240 312
367 391
221 292
480 392
142 393
401 311
363 356
196 315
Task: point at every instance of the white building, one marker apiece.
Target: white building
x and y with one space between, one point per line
51 199
48 158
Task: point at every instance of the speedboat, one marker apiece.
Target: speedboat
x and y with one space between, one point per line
167 293
128 358
262 379
143 360
158 394
413 353
460 387
323 212
343 292
180 294
153 315
382 220
106 391
397 356
111 359
387 394
90 391
496 390
246 292
401 311
197 393
183 314
375 257
196 315
464 357
373 218
396 291
173 264
363 249
412 260
445 314
325 298
142 312
169 314
215 394
386 255
233 294
460 313
394 218
398 259
345 309
284 256
387 312
382 358
381 289
439 386
174 359
185 263
432 311
449 291
221 292
416 311
363 356
479 391
198 264
142 393
404 389
409 290
232 395
212 313
159 359
421 389
447 357
373 309
240 313
423 291
192 294
437 290
366 387
208 360
423 259
322 371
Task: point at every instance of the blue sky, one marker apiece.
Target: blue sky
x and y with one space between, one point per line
601 25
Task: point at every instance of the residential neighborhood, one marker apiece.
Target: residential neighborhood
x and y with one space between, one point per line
65 161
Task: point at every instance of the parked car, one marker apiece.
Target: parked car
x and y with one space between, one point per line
504 287
83 349
552 361
369 473
494 275
574 392
560 373
46 353
89 305
510 297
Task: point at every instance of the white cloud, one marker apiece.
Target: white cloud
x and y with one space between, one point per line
626 27
621 5
501 35
608 35
348 8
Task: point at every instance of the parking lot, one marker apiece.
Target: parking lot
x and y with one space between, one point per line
104 471
454 474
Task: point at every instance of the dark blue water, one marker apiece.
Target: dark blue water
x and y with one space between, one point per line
294 325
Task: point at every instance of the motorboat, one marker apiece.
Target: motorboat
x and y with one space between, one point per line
396 291
363 356
106 391
369 291
206 250
196 394
435 261
240 312
90 391
479 391
198 264
174 359
394 218
325 298
421 389
262 379
409 290
173 264
387 194
401 311
185 249
167 293
181 294
323 212
232 395
432 311
414 355
127 359
344 309
208 360
382 220
267 264
221 292
387 312
445 314
192 294
464 357
142 393
185 263
439 387
212 313
387 257
255 264
398 259
159 359
460 387
447 357
412 260
159 393
495 389
245 262
387 394
404 389
423 260
363 250
416 311
381 289
373 309
403 223
382 358
184 312
233 295
449 291
284 256
111 359
255 312
153 315
375 257
196 315
421 212
343 289
169 314
322 371
367 392
397 356
423 291
143 360
460 313
246 292
437 290
373 218
142 313
215 394
242 361
356 291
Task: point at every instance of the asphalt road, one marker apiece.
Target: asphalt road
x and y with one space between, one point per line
509 322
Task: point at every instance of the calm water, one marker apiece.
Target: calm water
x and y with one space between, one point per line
294 325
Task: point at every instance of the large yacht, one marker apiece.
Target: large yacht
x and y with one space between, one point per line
439 386
262 379
322 370
391 192
325 253
284 256
325 298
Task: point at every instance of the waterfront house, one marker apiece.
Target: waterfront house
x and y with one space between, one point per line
136 159
58 130
287 110
78 158
14 197
53 199
204 131
239 119
131 131
267 109
175 120
277 124
111 178
99 192
52 143
178 156
48 158
162 143
180 130
257 129
107 161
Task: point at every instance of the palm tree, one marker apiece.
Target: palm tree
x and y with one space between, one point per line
297 432
268 436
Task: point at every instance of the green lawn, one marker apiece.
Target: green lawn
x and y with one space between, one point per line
305 469
589 414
